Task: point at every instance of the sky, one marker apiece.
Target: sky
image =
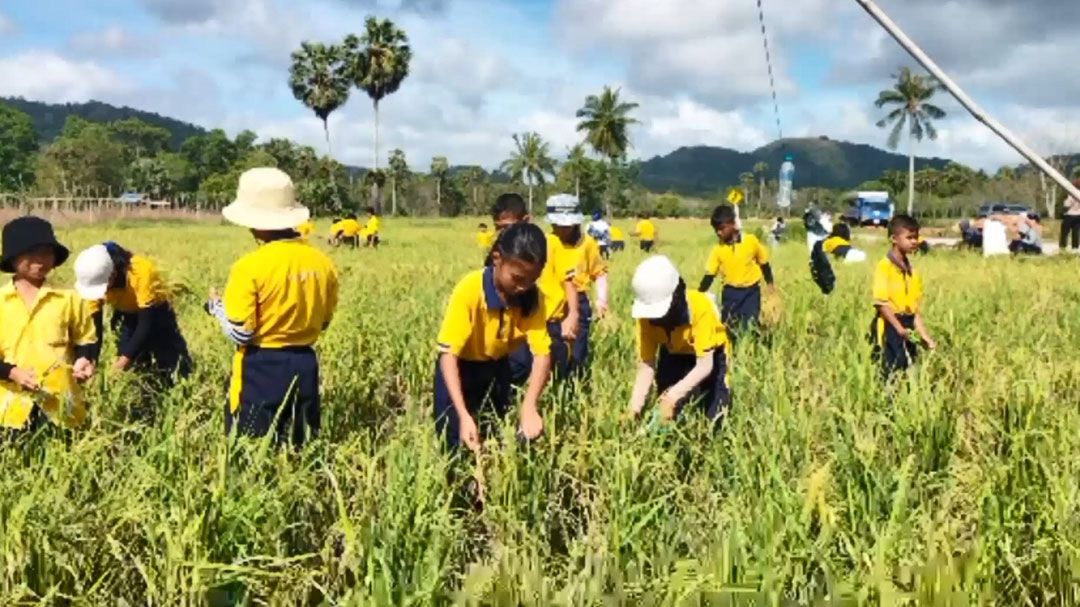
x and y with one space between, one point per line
486 69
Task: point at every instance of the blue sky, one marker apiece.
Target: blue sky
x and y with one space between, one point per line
485 69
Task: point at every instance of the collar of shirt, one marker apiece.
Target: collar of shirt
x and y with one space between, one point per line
903 264
8 291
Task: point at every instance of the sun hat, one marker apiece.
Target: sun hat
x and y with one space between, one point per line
93 271
266 200
564 210
654 284
22 235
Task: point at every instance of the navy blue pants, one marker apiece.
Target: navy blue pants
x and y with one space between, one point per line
618 245
740 309
165 353
894 353
712 394
646 245
485 385
279 393
562 354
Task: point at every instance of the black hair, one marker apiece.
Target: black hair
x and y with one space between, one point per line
351 216
371 210
902 222
121 259
679 310
780 219
721 215
522 241
509 204
483 225
336 219
842 230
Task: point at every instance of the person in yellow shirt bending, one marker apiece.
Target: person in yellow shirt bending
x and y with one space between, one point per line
278 301
371 230
46 334
682 344
646 231
347 230
491 313
306 229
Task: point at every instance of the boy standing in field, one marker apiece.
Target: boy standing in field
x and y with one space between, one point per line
371 230
46 334
646 231
744 262
484 237
898 293
277 302
618 239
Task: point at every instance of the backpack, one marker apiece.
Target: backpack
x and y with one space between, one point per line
821 270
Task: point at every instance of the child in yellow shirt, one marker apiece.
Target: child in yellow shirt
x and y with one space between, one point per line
46 334
898 294
646 231
484 238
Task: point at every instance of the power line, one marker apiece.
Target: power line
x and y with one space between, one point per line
768 62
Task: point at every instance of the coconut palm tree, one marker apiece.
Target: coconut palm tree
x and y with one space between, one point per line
530 162
575 166
606 122
440 168
318 80
910 100
378 62
399 172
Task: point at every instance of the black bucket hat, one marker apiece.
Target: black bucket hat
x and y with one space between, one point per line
24 234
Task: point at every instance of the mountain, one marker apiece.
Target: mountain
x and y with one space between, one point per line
49 118
819 162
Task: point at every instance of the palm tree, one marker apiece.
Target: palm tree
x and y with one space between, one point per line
399 172
606 121
440 167
378 62
474 178
575 166
761 170
318 80
530 162
746 180
910 98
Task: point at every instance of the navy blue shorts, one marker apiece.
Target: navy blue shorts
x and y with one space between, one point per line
279 393
646 245
618 245
521 359
485 385
892 352
740 308
712 394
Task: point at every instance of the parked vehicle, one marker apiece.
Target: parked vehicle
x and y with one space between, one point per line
868 209
132 198
1003 208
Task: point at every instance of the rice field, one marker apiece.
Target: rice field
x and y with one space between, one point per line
961 487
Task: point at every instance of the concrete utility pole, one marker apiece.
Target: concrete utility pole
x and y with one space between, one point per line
962 97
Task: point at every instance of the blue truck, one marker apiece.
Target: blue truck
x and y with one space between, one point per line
868 209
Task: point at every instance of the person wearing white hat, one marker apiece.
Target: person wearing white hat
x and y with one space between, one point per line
149 334
277 302
682 343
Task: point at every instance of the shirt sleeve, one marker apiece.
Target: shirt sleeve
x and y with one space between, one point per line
241 299
536 334
646 342
712 266
457 321
596 264
146 283
881 286
707 332
81 326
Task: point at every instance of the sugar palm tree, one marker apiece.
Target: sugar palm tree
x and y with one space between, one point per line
575 166
606 122
318 80
399 172
911 110
530 162
761 170
378 62
440 168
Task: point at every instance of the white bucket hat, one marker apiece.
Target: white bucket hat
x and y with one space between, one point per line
654 284
266 200
93 269
564 210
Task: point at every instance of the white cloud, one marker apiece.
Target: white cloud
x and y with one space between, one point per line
47 76
7 26
113 41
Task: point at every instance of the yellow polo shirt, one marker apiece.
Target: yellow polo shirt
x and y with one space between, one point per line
561 266
480 326
740 262
701 333
617 234
833 243
584 256
899 289
347 227
284 293
372 226
143 288
646 229
42 338
485 240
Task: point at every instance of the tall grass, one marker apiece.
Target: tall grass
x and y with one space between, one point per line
960 487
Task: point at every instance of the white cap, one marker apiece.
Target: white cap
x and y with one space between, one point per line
93 269
654 284
564 210
266 200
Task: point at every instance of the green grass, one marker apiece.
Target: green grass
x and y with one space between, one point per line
962 487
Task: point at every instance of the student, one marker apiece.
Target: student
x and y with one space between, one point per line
600 231
682 343
569 247
778 231
149 335
646 231
898 293
278 301
336 230
838 244
1029 241
618 239
491 313
347 230
306 229
484 238
509 208
371 230
744 262
46 334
